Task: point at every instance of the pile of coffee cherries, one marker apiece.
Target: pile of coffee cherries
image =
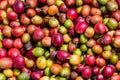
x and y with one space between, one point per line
59 39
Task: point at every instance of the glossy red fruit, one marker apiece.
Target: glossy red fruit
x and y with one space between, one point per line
106 39
57 39
13 52
111 33
32 3
87 72
81 27
30 55
76 40
70 2
11 15
90 60
14 24
108 71
72 30
24 28
18 43
79 19
116 41
53 31
118 2
31 12
42 1
66 65
96 70
115 77
91 42
114 68
88 1
24 69
71 47
19 61
38 35
116 14
3 4
17 31
117 32
30 29
100 28
100 77
6 63
3 53
72 14
46 41
7 42
19 6
35 75
11 2
24 19
63 55
40 72
63 8
100 62
85 10
73 75
79 68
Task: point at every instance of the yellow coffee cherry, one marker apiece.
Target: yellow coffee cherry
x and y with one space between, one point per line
8 72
